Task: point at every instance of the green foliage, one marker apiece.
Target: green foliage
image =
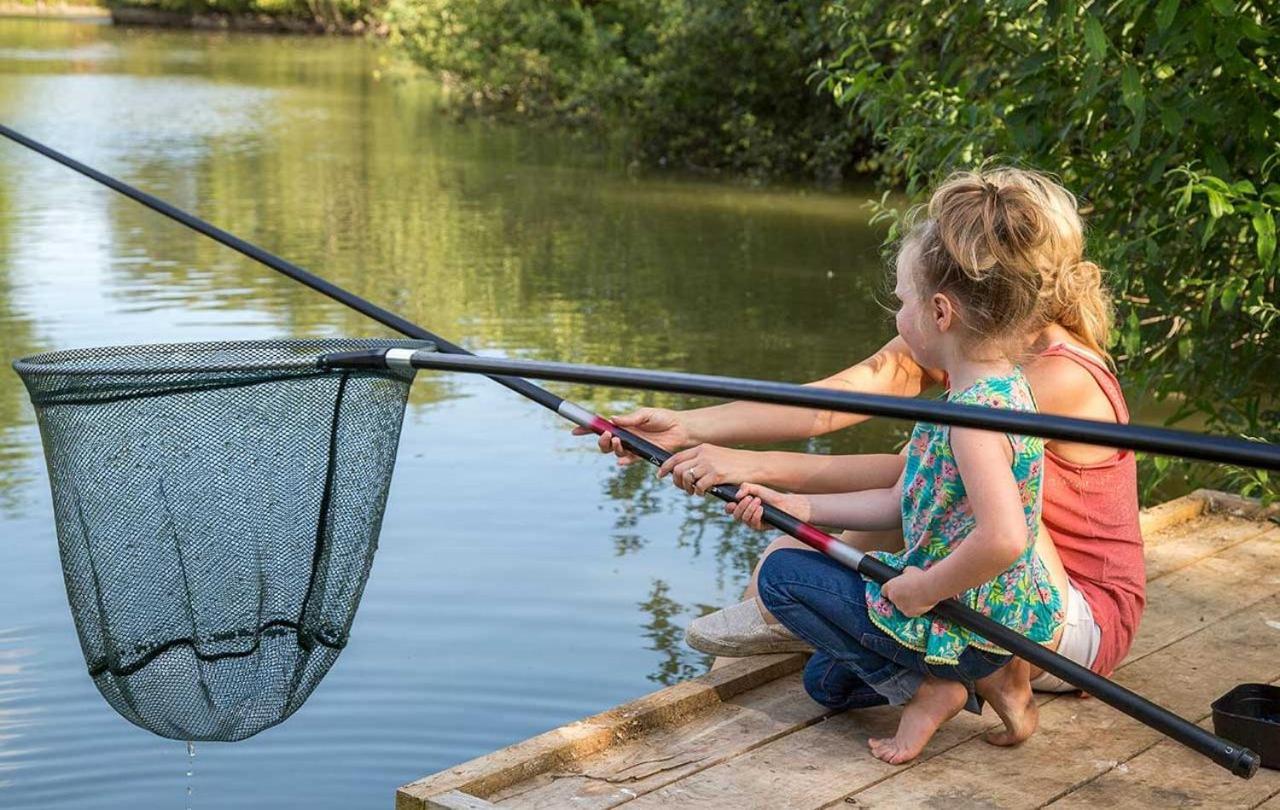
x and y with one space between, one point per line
720 86
727 87
538 57
1162 115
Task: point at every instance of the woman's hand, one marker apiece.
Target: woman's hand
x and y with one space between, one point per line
700 468
662 426
751 500
908 592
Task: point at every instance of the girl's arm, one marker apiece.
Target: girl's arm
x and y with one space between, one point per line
700 468
869 510
892 370
998 538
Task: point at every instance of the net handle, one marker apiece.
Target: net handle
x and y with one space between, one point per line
1224 449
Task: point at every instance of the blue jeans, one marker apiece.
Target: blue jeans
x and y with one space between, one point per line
856 664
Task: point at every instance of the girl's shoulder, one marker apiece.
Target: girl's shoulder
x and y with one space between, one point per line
1009 391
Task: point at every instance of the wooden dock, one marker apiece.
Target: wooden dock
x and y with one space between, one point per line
746 735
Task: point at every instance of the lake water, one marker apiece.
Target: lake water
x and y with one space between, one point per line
522 581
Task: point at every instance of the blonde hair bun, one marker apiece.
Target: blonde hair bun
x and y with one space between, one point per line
1013 231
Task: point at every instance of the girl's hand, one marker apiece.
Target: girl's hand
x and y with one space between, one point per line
700 468
749 507
908 592
662 426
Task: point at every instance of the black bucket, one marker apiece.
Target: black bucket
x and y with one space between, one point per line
1250 715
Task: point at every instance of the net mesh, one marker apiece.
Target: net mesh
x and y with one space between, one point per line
218 506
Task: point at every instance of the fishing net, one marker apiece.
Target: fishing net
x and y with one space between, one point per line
218 507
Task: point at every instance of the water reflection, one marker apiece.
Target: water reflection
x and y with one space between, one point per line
665 628
17 339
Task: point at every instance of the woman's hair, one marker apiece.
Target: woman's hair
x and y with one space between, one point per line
1009 245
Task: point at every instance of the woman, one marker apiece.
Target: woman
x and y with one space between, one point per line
1091 541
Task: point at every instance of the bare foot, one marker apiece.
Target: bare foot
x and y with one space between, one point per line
1008 690
935 702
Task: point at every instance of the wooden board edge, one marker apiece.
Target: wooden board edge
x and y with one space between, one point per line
457 800
1171 513
552 750
1228 503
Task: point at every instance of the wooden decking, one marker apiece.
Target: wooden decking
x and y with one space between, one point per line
746 735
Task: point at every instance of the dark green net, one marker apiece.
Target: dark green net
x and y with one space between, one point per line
218 506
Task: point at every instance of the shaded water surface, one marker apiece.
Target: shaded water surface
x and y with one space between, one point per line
522 581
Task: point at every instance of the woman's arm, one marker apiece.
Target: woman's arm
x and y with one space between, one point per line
999 536
700 468
892 370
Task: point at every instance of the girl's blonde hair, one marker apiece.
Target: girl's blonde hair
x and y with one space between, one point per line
996 237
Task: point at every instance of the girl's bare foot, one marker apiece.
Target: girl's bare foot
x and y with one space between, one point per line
935 702
1008 690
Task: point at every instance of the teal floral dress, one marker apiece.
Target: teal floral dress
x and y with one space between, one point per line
936 517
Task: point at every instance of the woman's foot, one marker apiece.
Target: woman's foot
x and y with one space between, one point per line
739 630
935 702
1008 690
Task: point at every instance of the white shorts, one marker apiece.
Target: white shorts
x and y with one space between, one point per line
1081 637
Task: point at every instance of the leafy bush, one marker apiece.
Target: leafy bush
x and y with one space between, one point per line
1161 115
727 87
536 57
704 86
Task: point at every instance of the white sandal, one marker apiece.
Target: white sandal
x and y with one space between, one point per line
739 630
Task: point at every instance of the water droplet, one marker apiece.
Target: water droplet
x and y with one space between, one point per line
191 770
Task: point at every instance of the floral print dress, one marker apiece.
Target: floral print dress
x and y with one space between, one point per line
936 518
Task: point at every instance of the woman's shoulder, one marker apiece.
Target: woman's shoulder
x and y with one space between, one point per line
1064 386
1057 370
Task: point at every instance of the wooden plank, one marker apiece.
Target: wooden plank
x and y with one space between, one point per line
457 800
1080 739
770 774
1170 775
484 776
806 769
1208 591
1170 513
623 772
1200 539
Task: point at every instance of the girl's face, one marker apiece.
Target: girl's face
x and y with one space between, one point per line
921 322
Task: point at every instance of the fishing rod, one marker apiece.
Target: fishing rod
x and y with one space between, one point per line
1240 761
1262 455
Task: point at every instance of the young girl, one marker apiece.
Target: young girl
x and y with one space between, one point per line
967 502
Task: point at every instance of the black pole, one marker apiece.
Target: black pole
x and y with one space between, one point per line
1241 762
1109 434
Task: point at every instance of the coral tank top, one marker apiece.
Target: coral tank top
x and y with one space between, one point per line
1091 513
